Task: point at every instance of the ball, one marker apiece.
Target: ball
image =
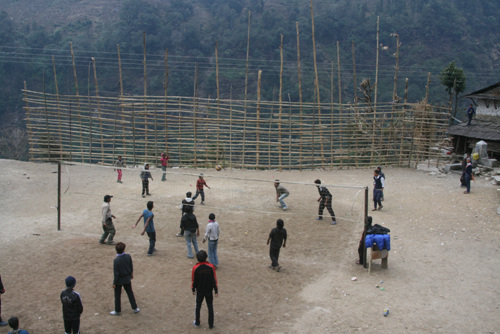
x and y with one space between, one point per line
218 168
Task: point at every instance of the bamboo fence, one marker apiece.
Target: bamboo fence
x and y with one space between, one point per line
203 132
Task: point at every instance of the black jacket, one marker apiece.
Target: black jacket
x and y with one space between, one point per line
72 305
123 269
189 222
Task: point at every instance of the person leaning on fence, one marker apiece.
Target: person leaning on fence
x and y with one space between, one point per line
107 222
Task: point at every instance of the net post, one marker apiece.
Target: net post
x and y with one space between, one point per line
59 195
365 227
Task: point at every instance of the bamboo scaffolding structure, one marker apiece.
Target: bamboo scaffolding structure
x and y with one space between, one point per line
300 95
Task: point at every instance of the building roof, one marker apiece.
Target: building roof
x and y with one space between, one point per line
479 129
491 93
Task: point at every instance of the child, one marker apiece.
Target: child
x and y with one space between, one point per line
325 199
203 281
107 222
164 163
212 235
71 306
383 175
123 274
145 175
187 202
277 237
378 189
14 324
199 189
118 167
149 227
191 230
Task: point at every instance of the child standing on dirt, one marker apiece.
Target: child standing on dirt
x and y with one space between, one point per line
199 189
145 175
119 164
187 203
325 200
71 306
277 237
149 227
164 163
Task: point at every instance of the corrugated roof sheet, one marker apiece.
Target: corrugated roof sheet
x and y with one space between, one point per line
479 129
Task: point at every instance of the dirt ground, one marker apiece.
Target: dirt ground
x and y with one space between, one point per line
443 274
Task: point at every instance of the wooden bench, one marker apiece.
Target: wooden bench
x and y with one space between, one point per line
374 254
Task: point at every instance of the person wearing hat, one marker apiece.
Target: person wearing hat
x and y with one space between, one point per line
14 324
145 175
107 222
164 163
199 188
72 307
281 193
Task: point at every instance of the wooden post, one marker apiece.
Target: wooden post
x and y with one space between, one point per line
340 107
59 195
133 133
355 104
395 98
195 115
403 125
231 126
124 145
246 96
257 137
300 96
331 116
47 128
374 127
280 97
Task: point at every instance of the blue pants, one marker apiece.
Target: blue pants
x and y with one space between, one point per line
200 192
152 242
377 196
212 252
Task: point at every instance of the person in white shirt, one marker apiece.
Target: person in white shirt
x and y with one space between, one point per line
212 235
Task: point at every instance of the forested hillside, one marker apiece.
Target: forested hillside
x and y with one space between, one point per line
432 33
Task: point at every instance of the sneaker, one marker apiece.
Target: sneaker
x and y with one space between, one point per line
195 325
319 218
285 208
3 323
148 194
101 242
151 254
380 207
179 235
143 196
278 268
334 222
114 313
111 242
202 203
137 310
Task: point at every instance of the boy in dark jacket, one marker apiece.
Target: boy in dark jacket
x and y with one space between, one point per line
14 324
71 306
203 281
123 274
277 238
145 176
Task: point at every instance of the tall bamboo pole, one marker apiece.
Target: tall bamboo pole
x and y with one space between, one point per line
166 102
280 97
77 101
98 109
124 145
289 132
395 98
195 110
374 126
58 109
300 95
257 137
231 126
133 134
218 100
316 80
403 124
46 119
355 81
246 95
340 106
29 128
90 115
331 116
145 99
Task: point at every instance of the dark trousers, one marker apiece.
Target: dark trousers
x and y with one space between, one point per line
118 296
152 241
377 197
145 186
274 254
467 182
72 326
326 202
210 305
200 192
108 230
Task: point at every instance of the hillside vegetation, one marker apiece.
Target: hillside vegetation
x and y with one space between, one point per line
432 34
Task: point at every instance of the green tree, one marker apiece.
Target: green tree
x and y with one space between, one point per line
453 78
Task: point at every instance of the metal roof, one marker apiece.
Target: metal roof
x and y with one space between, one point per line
479 129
